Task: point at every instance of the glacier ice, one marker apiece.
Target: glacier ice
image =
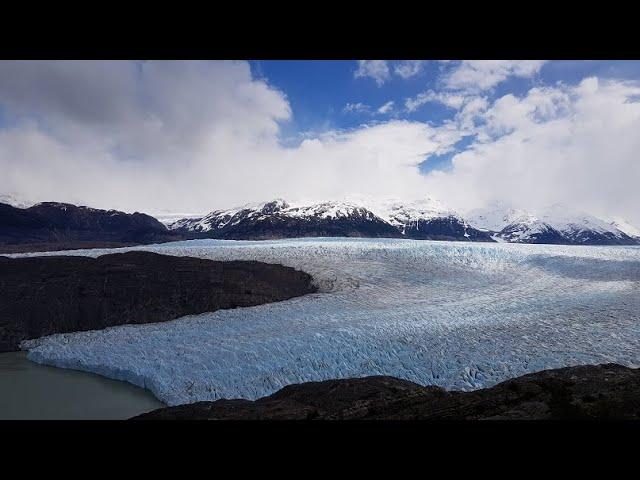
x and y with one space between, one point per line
456 314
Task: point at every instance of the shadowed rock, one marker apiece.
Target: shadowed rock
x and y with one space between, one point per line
52 225
44 295
585 392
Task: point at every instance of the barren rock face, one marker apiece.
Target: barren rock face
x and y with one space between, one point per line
585 392
44 295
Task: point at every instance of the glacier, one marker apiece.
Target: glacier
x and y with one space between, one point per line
460 315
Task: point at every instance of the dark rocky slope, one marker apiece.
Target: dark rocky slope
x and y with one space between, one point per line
277 227
45 295
584 392
445 228
66 225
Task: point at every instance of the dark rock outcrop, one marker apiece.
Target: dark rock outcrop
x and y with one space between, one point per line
585 392
45 295
445 228
65 224
276 227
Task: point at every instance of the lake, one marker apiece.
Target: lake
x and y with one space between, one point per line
30 391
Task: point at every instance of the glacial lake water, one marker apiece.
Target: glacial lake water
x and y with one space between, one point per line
30 391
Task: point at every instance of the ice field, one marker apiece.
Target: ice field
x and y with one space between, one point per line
455 314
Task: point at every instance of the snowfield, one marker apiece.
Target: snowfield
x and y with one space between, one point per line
455 314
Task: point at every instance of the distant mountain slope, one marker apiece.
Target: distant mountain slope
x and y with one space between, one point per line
52 222
556 224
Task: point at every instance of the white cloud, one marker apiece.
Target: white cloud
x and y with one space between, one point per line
185 136
356 108
408 68
468 107
452 100
467 116
375 69
194 136
572 145
479 75
363 109
380 71
386 108
373 160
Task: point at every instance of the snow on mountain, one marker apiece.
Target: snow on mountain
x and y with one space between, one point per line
401 214
554 224
328 210
168 218
497 216
427 219
15 201
353 216
624 226
279 219
219 219
424 219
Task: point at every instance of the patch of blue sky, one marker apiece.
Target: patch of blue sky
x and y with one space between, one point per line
442 162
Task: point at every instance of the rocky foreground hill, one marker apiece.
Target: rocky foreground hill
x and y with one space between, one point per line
574 393
59 294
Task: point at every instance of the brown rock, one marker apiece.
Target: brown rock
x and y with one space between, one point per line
585 392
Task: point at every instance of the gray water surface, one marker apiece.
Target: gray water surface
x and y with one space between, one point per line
29 391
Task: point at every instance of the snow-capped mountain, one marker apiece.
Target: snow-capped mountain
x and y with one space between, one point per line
626 227
278 219
353 216
498 216
556 224
360 217
427 219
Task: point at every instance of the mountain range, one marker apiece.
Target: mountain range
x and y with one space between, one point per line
555 224
424 220
69 226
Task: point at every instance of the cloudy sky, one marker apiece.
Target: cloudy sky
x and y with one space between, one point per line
190 137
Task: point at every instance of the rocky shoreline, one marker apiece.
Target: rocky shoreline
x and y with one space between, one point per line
59 294
589 392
